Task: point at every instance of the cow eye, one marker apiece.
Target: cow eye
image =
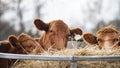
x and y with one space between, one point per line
99 40
114 40
51 31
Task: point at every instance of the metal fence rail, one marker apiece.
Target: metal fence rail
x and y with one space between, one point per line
72 59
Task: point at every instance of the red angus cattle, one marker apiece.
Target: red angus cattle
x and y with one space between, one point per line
29 44
56 33
23 44
5 47
107 37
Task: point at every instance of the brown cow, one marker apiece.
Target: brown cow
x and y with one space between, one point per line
107 37
56 33
24 44
29 44
5 47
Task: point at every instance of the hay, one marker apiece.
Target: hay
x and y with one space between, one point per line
86 51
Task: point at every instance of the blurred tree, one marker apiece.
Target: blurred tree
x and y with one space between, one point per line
103 24
116 23
94 10
20 16
15 6
3 8
6 30
99 25
118 14
37 8
119 9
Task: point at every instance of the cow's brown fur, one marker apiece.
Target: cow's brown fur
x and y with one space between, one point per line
29 44
107 37
56 34
5 47
22 44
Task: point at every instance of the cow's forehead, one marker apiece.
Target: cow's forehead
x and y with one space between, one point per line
58 25
107 32
108 29
24 37
107 36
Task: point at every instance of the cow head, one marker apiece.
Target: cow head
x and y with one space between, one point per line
24 43
5 47
56 33
18 45
29 44
13 40
107 37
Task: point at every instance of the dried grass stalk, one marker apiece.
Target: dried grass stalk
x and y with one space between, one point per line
86 51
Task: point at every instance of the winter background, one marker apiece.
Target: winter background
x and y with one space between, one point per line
17 16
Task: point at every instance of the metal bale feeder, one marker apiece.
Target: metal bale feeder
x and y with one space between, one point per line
73 59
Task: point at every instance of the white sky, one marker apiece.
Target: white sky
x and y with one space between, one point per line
74 12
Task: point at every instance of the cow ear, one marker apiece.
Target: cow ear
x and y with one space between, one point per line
89 39
13 40
40 25
76 31
119 41
4 46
